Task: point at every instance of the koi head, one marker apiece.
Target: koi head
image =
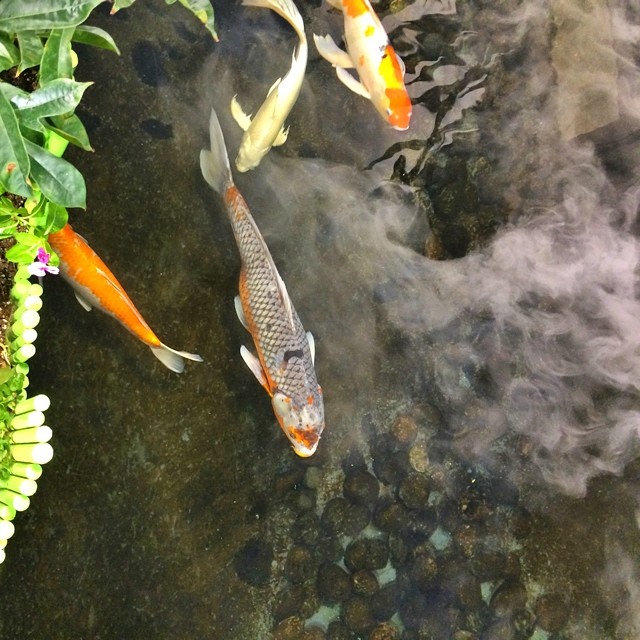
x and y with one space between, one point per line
396 102
302 422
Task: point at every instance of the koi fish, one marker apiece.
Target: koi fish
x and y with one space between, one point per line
284 360
266 129
379 68
95 286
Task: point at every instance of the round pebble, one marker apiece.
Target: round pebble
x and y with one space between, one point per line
418 526
353 461
299 565
384 603
313 633
390 468
509 597
301 500
398 550
424 571
361 488
338 630
366 553
552 611
289 629
404 430
341 518
389 515
288 602
356 613
313 477
384 631
414 491
487 564
364 582
333 583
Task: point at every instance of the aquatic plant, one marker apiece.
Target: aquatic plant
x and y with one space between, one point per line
38 99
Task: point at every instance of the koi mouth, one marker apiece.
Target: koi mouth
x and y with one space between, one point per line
305 441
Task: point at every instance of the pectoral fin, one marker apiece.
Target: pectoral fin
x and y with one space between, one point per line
312 346
330 51
243 120
349 81
240 312
281 138
254 364
83 303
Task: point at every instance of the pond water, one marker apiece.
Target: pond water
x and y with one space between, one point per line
472 287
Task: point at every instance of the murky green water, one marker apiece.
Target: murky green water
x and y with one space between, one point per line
477 475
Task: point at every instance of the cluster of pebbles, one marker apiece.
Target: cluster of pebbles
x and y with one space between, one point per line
415 548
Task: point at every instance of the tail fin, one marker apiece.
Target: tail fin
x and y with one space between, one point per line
214 163
173 359
284 8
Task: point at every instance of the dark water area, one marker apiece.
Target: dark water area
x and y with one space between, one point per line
472 287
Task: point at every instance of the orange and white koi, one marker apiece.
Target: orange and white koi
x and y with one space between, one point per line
95 286
284 364
379 68
266 129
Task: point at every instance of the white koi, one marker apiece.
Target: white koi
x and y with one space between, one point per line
266 129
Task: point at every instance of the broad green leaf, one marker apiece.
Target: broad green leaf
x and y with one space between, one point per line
30 49
121 4
19 15
95 37
52 218
9 54
59 180
56 59
21 253
203 10
14 161
70 127
25 238
55 98
10 91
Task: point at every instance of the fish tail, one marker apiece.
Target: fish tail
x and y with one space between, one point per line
214 162
284 8
172 359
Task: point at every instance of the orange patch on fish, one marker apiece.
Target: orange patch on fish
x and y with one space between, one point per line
355 8
361 61
305 437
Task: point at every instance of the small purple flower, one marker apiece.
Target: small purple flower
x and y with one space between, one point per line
41 266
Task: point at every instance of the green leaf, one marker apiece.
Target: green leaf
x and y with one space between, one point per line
30 49
70 127
59 180
51 218
20 253
19 15
9 54
95 37
121 4
55 98
203 10
56 59
14 161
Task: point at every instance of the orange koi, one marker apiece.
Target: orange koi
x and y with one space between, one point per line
95 286
379 68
